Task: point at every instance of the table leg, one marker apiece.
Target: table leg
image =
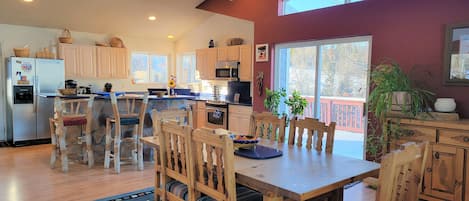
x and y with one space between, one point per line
272 197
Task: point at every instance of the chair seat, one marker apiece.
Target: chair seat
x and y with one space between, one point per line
125 121
242 193
74 121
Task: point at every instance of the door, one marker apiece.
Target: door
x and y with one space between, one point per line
444 172
70 55
103 62
87 61
119 63
245 63
332 75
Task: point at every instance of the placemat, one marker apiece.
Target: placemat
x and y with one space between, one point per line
259 152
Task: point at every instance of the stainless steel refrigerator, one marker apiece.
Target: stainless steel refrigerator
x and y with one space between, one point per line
28 112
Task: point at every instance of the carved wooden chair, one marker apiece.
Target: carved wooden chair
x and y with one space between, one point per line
126 113
401 173
268 126
72 112
313 127
212 160
174 174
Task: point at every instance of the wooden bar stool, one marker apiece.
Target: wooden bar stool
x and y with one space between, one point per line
125 114
76 112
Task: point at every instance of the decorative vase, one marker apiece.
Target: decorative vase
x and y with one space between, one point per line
445 105
107 87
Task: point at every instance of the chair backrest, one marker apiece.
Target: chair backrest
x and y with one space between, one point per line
174 158
126 106
182 117
73 108
213 162
401 173
312 127
268 126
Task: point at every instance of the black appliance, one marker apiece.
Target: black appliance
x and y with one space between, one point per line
217 114
227 70
242 88
178 91
70 84
23 95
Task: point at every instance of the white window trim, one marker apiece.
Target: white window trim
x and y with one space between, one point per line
149 64
282 12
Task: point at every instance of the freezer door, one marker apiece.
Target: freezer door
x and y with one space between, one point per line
22 71
45 110
50 75
24 122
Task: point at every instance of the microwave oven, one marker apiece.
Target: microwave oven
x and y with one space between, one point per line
227 70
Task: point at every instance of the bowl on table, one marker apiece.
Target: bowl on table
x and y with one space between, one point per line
244 141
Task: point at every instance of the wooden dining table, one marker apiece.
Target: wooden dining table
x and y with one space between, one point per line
299 174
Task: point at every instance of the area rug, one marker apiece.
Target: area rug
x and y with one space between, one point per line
140 195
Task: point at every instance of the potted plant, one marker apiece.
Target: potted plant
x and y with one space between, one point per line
272 100
392 91
297 104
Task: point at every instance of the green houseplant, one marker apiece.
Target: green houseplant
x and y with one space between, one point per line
272 100
296 103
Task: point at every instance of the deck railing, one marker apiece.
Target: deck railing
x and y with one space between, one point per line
346 112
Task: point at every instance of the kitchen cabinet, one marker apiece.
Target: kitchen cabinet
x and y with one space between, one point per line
103 62
228 53
239 118
206 60
79 60
119 63
446 173
199 115
245 63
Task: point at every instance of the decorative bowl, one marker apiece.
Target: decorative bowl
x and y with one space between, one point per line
445 105
244 141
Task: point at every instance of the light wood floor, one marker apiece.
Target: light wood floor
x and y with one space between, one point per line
25 175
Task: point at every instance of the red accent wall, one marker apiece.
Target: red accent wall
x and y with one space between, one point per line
408 31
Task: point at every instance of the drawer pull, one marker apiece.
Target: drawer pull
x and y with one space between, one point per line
437 155
466 139
429 169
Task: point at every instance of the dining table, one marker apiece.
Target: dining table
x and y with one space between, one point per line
299 173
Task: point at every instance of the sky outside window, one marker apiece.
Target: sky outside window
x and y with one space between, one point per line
296 6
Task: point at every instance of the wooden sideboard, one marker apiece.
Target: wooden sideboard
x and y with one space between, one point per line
446 174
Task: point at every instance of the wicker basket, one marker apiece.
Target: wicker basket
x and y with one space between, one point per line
66 37
69 91
116 42
21 52
234 41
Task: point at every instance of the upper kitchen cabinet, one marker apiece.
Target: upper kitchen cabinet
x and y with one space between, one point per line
103 62
80 60
245 63
206 60
119 63
228 53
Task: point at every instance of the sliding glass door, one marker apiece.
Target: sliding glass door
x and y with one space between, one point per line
333 76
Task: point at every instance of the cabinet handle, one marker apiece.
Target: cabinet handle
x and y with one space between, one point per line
429 169
408 132
437 155
466 139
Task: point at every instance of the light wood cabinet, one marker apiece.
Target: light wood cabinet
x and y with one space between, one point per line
119 63
446 175
103 62
206 60
199 115
239 118
70 55
245 63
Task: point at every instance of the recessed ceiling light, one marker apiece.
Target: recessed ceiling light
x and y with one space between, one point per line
28 1
152 18
170 36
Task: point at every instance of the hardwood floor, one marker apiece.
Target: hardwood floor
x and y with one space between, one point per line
25 175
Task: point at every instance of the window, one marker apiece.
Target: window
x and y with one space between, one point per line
186 68
297 6
149 68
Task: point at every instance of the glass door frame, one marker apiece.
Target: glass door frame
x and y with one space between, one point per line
283 73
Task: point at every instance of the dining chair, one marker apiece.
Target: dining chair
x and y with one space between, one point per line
173 179
72 112
268 126
212 159
181 116
125 113
401 173
313 127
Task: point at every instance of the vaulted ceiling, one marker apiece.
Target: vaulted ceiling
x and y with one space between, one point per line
120 17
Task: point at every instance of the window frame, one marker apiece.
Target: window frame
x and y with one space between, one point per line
179 66
149 66
282 4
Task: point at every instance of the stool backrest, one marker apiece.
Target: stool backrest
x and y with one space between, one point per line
182 117
126 106
268 126
213 160
64 108
174 158
312 127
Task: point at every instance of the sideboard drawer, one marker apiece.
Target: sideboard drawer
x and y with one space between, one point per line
417 133
454 137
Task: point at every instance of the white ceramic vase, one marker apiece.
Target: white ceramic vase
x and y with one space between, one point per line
445 105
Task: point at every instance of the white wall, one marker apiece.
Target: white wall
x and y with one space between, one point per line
219 28
12 36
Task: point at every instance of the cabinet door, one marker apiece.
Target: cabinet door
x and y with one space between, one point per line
238 123
70 54
444 172
119 63
222 53
201 60
211 63
87 61
245 66
233 53
103 62
201 118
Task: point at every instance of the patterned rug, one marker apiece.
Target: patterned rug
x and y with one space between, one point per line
140 195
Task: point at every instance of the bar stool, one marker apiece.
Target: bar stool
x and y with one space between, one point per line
125 115
76 112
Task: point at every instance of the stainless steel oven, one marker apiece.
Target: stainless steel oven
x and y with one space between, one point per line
217 115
